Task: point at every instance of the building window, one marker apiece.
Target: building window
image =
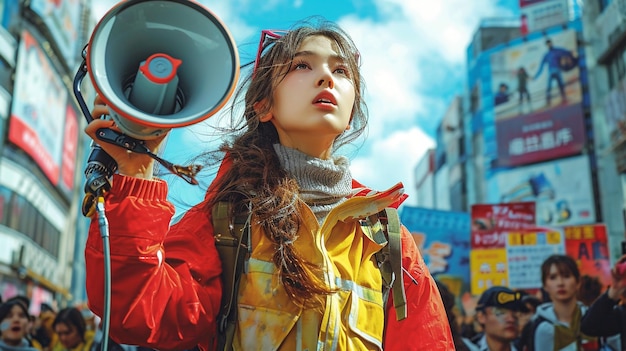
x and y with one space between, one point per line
5 198
616 67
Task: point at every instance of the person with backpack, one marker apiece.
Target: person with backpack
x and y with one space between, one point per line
497 312
311 278
606 317
556 324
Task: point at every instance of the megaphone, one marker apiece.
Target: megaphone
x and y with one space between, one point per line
161 64
158 65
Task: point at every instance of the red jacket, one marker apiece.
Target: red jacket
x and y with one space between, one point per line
166 284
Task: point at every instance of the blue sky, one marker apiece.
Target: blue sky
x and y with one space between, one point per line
413 55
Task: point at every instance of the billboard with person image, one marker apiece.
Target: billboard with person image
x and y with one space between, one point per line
538 99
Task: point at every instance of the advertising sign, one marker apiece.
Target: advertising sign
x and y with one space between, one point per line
526 251
518 264
490 222
561 190
540 136
70 149
541 14
538 100
38 111
489 268
62 17
443 240
588 245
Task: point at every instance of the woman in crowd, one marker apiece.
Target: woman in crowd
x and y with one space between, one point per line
557 324
14 322
71 329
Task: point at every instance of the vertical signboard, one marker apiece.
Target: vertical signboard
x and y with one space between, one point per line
70 149
588 245
39 108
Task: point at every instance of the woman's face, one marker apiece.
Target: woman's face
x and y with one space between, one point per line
561 286
14 326
313 103
68 335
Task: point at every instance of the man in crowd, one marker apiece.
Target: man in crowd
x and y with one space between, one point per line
497 312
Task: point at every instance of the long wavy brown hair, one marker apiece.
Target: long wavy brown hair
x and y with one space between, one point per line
256 179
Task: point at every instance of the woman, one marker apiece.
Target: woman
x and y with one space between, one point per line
14 321
71 329
310 282
557 324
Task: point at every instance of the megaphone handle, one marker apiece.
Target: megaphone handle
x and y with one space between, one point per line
188 173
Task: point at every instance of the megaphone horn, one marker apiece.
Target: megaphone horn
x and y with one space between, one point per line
161 64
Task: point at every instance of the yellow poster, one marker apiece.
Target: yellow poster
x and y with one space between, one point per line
488 268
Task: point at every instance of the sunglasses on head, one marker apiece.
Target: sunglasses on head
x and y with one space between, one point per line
267 36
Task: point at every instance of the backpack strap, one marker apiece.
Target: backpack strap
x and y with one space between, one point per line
232 241
389 260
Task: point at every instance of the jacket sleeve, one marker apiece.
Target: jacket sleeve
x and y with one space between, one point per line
426 326
602 318
165 287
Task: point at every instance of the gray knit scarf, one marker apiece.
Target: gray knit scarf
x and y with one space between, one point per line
323 183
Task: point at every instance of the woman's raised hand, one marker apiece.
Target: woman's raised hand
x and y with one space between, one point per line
128 163
617 289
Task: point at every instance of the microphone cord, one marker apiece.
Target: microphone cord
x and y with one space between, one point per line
103 223
100 167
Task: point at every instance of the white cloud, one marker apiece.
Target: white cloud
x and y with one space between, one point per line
392 160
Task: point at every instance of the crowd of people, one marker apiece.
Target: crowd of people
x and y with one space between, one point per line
570 312
68 329
65 330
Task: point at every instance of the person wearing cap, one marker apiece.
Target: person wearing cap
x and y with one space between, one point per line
497 312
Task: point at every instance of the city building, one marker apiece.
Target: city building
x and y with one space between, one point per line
604 24
41 147
543 151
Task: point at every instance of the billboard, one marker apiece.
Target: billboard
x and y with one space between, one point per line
561 189
588 245
443 240
517 264
70 150
39 108
490 222
541 14
62 18
538 100
508 247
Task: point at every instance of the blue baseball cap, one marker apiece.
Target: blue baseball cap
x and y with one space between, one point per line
500 296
